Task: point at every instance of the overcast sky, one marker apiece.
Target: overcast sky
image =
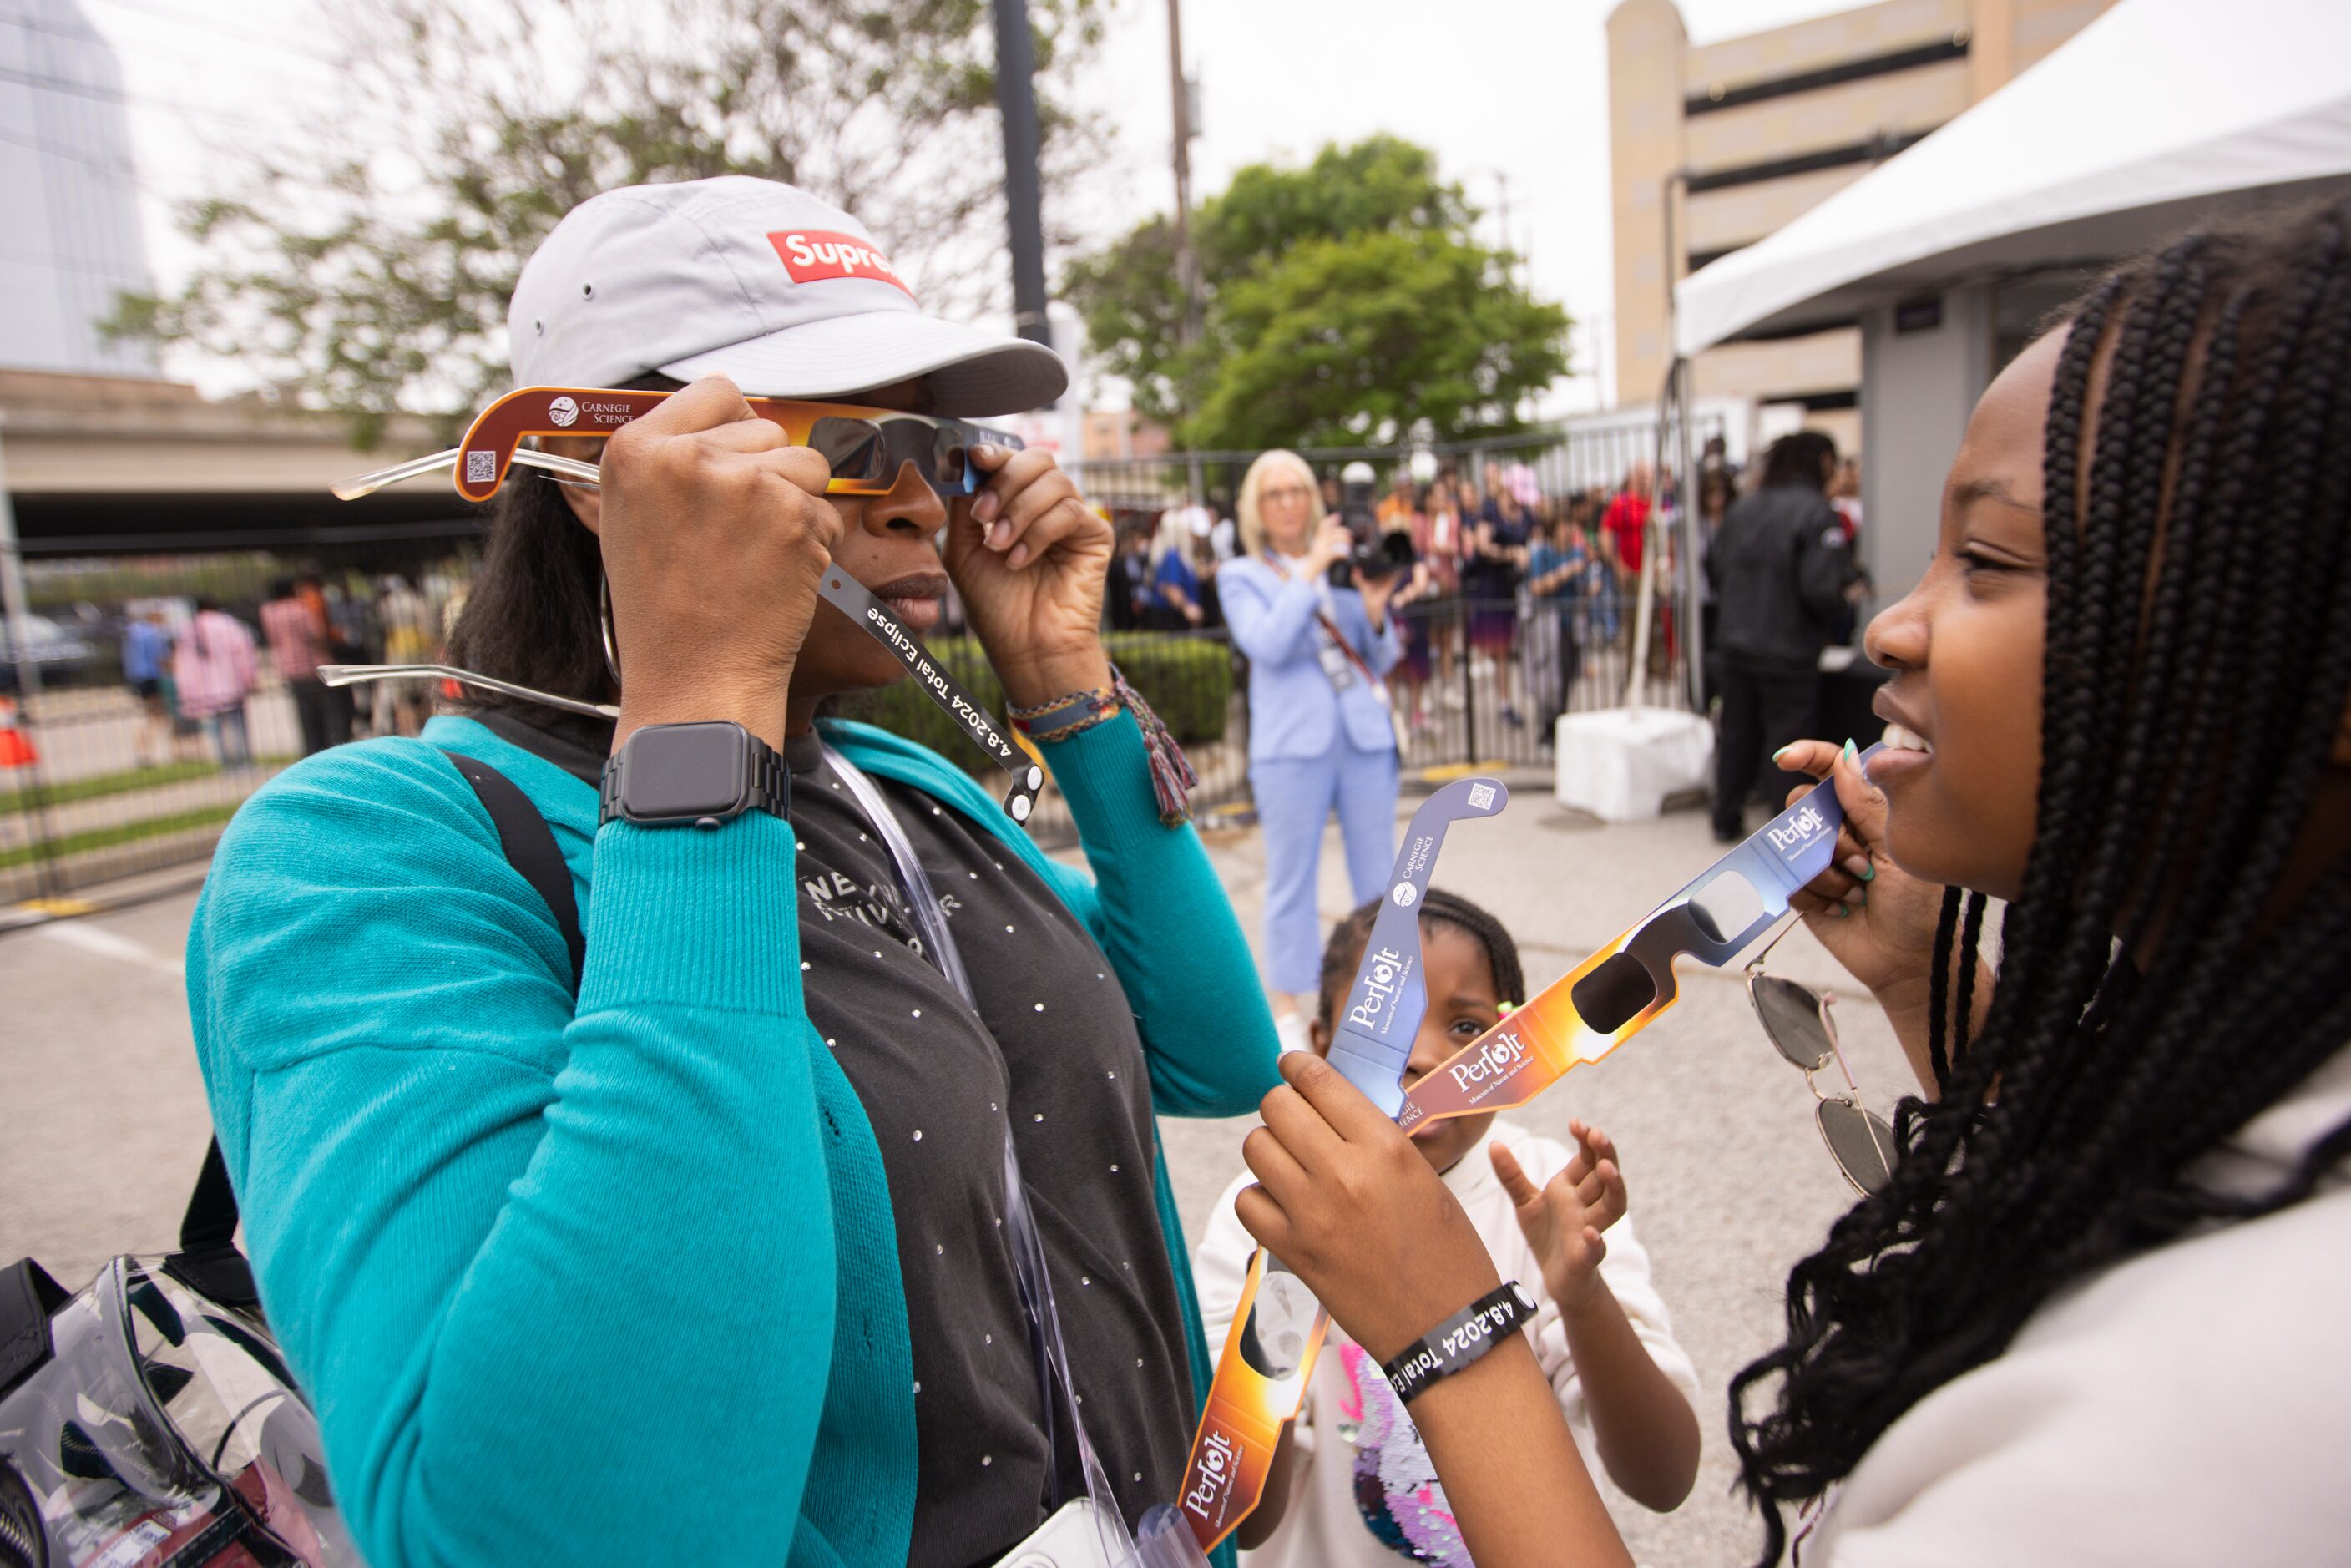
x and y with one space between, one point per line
1511 93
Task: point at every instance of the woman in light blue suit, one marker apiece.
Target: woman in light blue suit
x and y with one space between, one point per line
1321 733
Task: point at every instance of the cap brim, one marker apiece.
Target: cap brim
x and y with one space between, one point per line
970 372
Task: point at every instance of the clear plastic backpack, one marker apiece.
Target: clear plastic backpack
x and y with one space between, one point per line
143 1422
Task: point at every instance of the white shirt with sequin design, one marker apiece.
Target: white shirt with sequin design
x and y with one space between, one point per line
1365 1495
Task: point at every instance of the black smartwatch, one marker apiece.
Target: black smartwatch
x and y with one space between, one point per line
696 775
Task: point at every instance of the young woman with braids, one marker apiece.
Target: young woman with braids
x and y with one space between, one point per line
2097 1314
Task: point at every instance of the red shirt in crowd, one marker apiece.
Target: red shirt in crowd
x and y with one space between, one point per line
1626 521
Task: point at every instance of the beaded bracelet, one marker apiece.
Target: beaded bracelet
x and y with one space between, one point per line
1171 778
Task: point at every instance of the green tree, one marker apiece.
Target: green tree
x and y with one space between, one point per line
1345 302
365 267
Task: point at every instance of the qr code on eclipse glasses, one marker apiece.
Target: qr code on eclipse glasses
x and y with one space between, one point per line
481 467
1480 797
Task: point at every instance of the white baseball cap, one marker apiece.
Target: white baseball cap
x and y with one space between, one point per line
758 281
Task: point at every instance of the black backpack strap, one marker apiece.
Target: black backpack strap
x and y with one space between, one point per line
530 849
208 1259
28 1299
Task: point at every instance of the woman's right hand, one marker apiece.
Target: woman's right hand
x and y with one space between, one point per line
1880 926
1344 1198
715 533
1332 544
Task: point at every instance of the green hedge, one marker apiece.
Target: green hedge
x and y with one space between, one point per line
1187 681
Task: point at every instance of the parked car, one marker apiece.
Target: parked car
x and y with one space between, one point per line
60 657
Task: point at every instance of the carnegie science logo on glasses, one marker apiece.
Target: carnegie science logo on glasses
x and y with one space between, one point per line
812 255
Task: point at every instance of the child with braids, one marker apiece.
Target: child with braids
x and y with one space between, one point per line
2097 1314
1352 1484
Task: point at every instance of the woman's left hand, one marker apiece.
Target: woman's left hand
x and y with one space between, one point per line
1348 1203
1030 557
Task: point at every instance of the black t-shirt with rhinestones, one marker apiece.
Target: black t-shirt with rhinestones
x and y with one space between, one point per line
1054 1045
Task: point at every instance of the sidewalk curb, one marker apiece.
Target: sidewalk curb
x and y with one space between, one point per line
123 893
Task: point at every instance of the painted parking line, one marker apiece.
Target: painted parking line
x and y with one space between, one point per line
110 945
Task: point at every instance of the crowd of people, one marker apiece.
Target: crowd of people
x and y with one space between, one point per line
716 1165
1519 584
194 680
1522 588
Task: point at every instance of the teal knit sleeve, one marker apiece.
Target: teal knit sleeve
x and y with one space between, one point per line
1166 923
562 1286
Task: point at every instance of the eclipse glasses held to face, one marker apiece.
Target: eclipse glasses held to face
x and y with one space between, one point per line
1617 991
867 449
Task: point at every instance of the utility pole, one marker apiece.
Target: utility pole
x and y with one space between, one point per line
1016 99
1187 265
14 618
1502 213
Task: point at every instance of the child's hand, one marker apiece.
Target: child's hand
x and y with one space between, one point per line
1562 1222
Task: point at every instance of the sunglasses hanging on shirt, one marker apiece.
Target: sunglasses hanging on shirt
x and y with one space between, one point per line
866 449
1797 1021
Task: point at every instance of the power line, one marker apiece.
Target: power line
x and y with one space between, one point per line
78 266
128 101
237 35
125 172
96 38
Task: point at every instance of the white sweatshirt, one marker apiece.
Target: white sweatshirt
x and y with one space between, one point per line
2191 1405
1364 1491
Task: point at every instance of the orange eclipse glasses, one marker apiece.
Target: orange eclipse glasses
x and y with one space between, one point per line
866 449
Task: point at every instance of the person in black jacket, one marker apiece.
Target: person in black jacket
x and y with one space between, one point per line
1780 569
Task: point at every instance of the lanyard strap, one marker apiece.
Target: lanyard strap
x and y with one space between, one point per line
1020 1222
1330 627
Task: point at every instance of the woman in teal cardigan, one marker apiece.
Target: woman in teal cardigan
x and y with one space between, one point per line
705 1261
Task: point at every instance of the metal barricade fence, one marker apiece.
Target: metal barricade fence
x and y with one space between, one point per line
1482 682
1482 678
107 770
122 784
103 777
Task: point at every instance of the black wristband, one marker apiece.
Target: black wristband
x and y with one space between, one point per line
1459 1340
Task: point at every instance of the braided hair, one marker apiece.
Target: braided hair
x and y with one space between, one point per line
1437 907
2198 664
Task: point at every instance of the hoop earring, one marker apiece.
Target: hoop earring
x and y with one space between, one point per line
604 627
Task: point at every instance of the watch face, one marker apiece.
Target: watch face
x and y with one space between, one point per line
683 770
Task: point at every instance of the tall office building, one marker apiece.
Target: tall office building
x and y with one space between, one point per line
1744 134
69 188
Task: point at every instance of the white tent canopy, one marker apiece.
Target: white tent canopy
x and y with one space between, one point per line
2155 115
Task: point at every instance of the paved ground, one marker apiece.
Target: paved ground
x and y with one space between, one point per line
1730 1184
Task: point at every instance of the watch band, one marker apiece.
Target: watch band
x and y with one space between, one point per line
769 779
1459 1340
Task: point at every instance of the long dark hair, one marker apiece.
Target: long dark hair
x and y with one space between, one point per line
2183 744
533 616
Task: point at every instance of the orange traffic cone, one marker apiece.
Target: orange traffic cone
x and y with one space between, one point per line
16 747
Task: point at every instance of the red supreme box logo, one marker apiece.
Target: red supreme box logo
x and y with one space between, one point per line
814 254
